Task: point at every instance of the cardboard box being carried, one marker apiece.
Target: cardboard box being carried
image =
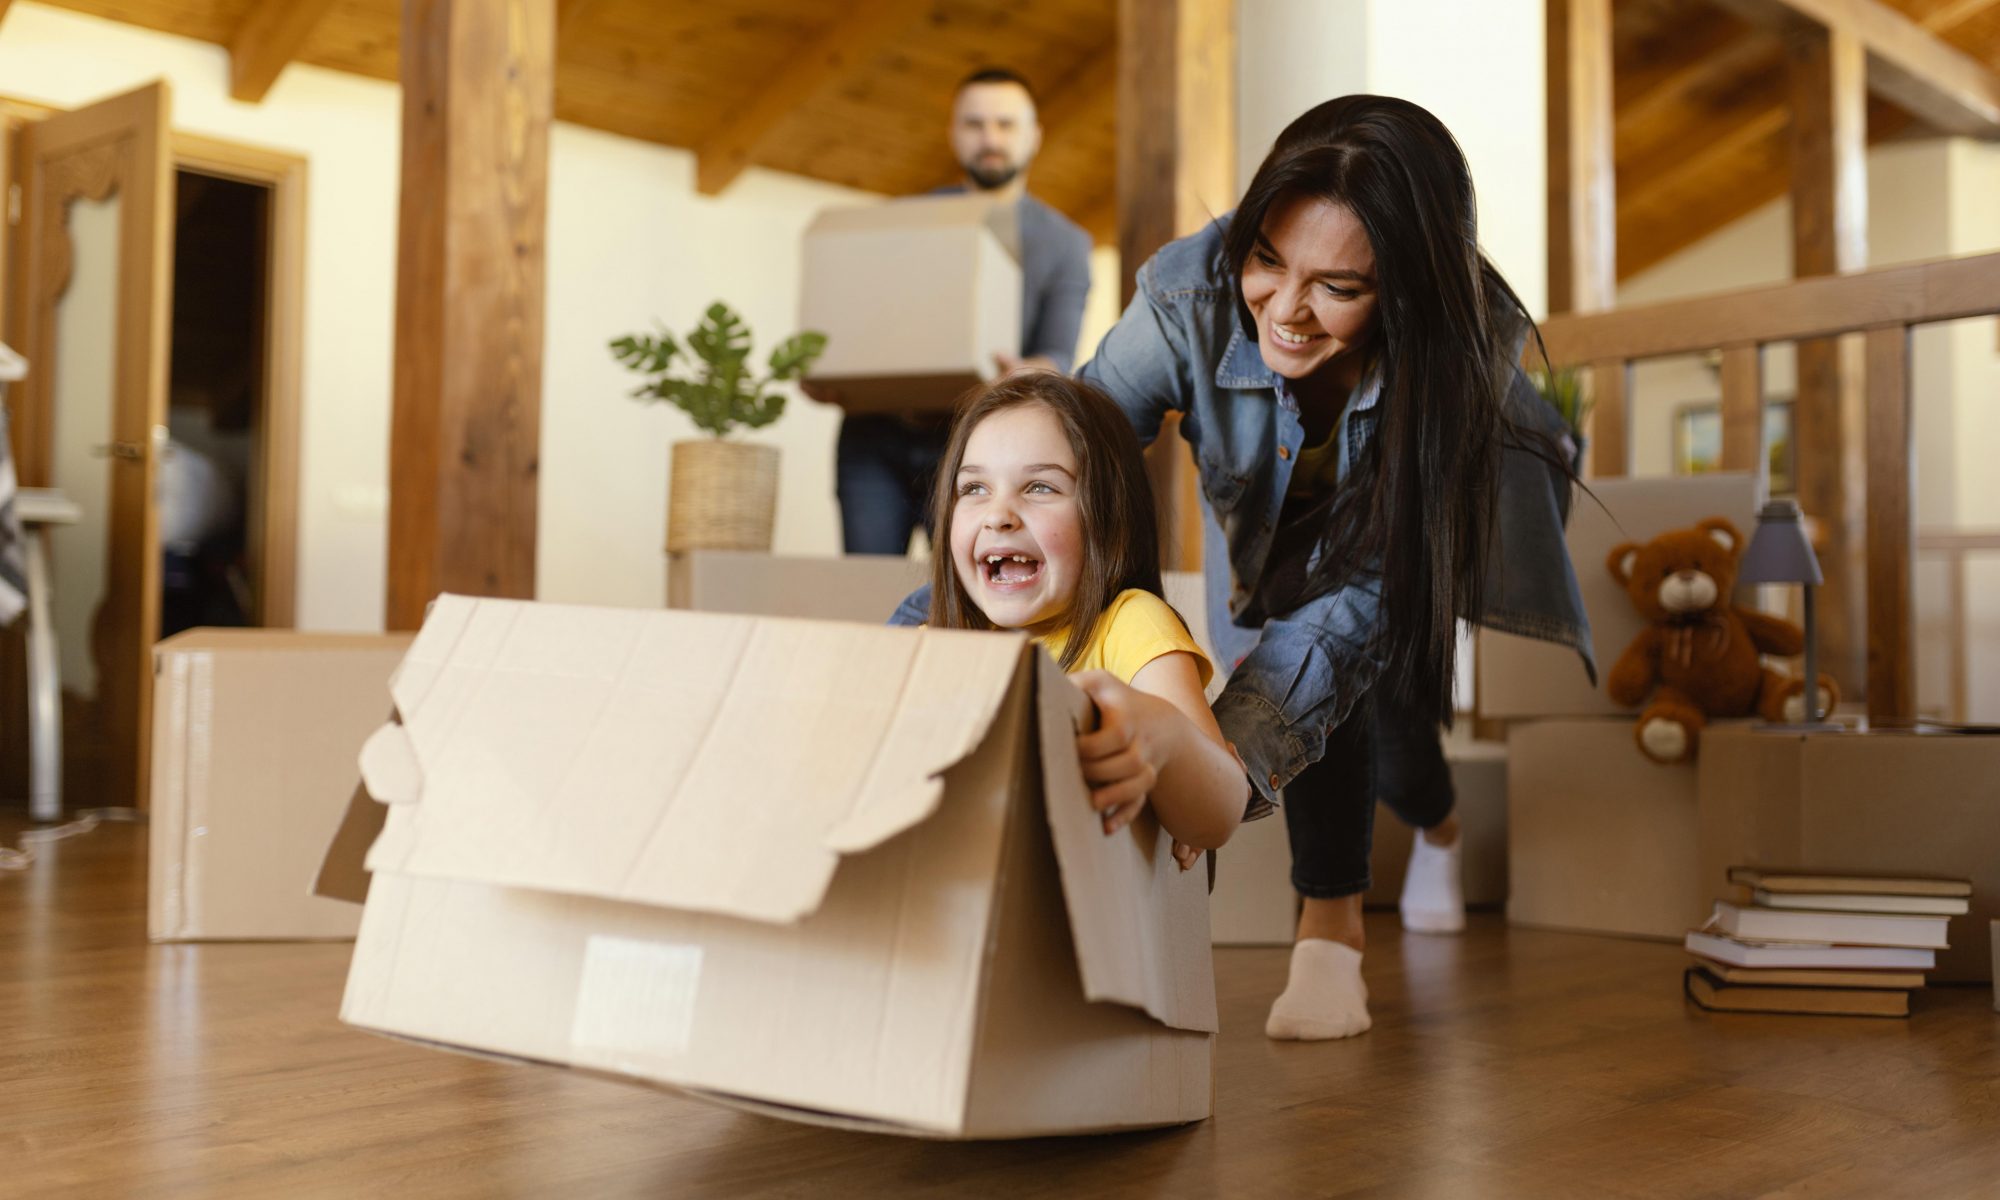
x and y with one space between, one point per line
837 873
915 296
1601 839
255 732
1878 803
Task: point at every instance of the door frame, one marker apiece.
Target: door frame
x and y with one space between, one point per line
277 500
275 508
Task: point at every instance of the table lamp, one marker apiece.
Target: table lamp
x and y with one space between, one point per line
1780 552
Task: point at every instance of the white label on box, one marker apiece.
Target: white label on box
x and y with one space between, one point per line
636 997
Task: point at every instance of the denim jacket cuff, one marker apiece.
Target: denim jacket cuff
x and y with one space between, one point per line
1270 754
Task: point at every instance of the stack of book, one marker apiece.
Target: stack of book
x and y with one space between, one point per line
1835 945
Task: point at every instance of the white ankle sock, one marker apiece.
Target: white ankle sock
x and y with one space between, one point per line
1324 996
1433 898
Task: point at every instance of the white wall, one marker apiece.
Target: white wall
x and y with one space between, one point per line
1478 67
628 241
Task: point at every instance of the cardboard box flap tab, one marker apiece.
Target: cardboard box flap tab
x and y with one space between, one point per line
389 769
1139 922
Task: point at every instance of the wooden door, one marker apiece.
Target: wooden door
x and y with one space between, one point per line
92 285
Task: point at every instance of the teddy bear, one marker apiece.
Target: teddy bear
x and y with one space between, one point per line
1699 655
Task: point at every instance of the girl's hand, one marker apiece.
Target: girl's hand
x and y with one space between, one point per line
1187 856
1122 757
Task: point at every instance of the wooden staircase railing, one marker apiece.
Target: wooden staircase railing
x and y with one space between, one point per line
1882 305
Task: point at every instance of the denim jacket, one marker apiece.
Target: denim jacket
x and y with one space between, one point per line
1180 347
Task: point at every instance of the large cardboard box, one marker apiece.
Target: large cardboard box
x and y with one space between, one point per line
255 734
915 296
1519 677
855 587
1479 782
838 873
1881 803
1600 839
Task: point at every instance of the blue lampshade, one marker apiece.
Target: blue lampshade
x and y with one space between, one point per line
1779 551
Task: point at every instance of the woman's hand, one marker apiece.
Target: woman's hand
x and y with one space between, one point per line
1122 757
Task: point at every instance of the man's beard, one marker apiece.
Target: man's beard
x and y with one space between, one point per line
991 176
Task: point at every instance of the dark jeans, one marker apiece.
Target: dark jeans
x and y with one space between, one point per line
1378 752
882 474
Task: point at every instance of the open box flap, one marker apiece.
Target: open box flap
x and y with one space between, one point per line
691 760
1140 923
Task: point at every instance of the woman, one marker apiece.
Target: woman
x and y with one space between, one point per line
1343 360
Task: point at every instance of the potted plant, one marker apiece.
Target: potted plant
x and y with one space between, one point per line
721 495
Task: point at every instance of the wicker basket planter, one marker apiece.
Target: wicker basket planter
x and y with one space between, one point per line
721 496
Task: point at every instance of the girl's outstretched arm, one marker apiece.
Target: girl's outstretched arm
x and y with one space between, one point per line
1157 741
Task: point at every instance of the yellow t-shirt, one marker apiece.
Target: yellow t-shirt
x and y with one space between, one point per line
1138 628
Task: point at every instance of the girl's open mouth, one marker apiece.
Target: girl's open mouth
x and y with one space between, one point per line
1010 570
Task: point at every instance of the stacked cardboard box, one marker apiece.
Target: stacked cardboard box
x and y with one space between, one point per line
1877 803
1821 944
1600 839
255 735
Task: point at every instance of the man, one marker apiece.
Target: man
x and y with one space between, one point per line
884 463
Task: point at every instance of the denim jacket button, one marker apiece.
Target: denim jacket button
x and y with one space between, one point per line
1284 452
1274 781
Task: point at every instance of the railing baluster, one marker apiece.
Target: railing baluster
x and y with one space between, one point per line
1892 698
1610 432
1743 414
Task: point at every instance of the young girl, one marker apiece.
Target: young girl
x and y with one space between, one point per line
1045 523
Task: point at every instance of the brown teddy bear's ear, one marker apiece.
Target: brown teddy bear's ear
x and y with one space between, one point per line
1623 557
1723 533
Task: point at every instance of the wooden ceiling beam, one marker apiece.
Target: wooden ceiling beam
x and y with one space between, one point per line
828 59
270 37
1907 62
568 12
1659 104
1083 92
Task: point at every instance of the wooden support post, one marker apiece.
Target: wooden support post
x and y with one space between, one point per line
478 86
1583 210
1827 71
1176 170
1892 619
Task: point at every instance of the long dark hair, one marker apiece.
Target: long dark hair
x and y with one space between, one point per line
1121 544
1418 507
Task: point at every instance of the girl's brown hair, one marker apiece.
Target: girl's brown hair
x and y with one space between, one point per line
1121 543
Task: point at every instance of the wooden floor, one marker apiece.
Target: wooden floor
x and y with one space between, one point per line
1505 1063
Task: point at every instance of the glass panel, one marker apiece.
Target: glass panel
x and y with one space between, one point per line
82 404
1675 410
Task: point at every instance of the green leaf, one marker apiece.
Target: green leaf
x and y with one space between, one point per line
796 354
